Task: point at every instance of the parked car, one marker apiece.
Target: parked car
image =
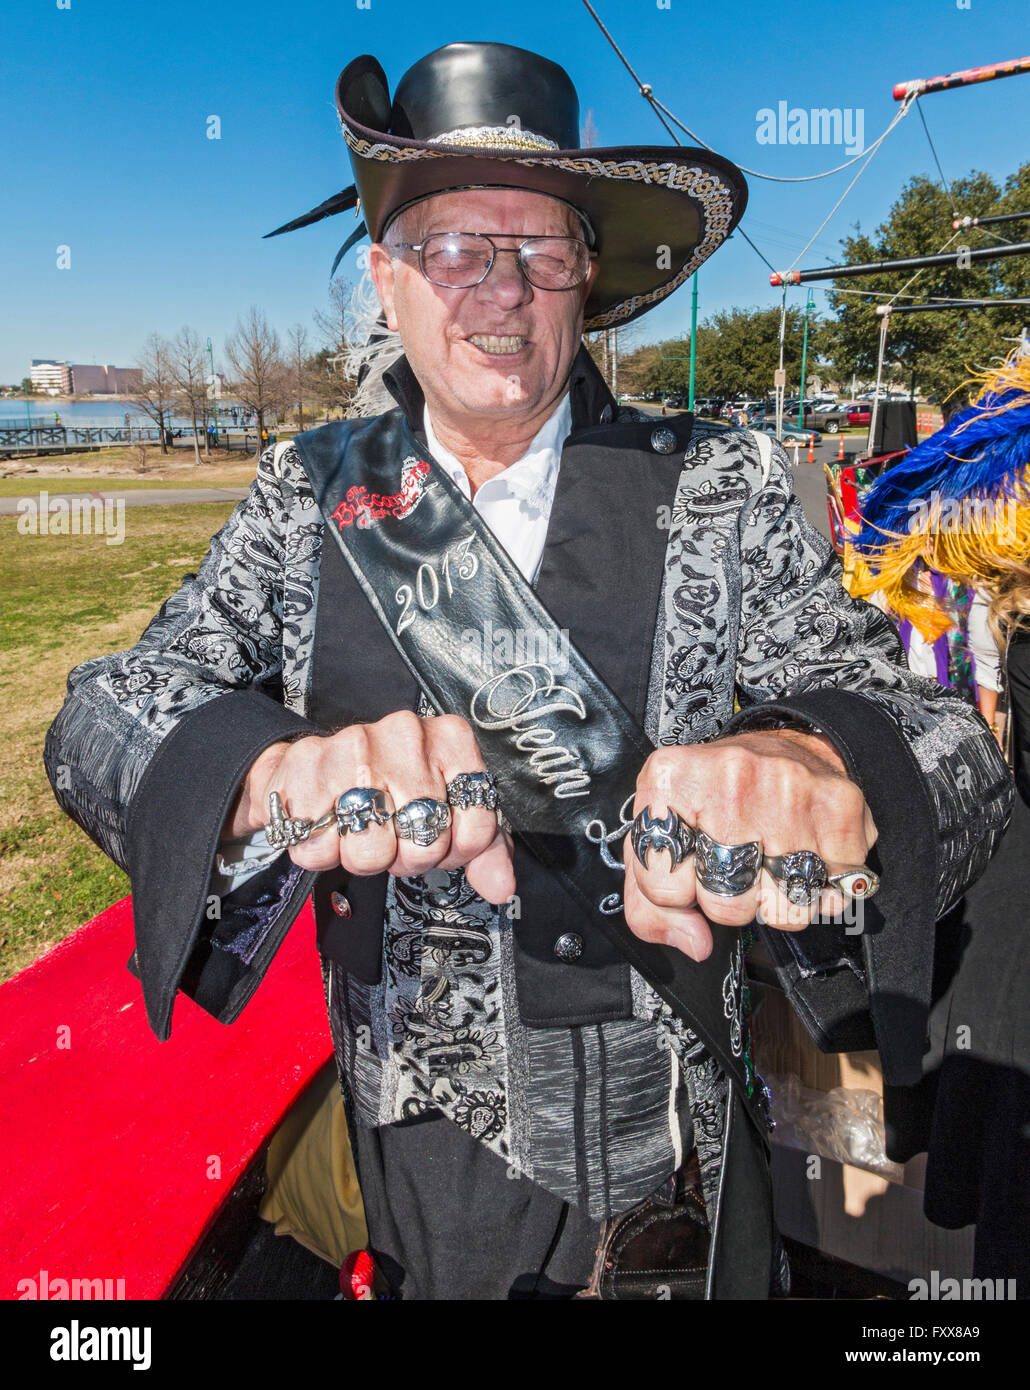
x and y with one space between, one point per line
834 416
860 414
791 434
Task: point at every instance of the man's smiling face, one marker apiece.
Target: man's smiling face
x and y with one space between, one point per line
502 348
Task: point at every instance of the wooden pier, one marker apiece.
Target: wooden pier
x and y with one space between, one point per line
19 440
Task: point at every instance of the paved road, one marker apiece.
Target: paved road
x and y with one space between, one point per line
132 497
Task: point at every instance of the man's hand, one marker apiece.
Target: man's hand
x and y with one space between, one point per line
786 789
404 756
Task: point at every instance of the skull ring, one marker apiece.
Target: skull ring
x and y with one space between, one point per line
473 789
422 820
726 870
801 876
359 807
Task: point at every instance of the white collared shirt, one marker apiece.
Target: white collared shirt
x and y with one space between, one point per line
516 503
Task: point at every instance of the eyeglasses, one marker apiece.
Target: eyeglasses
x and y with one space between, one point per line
459 260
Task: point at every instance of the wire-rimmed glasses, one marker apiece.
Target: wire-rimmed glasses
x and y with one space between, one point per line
459 260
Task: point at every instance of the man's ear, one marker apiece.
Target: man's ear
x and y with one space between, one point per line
380 264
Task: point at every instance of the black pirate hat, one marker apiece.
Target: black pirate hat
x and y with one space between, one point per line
487 115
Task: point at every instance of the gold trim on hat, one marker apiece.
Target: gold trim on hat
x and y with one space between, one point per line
494 137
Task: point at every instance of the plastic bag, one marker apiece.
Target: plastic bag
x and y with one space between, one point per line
841 1124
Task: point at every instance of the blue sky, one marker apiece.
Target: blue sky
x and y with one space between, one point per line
104 108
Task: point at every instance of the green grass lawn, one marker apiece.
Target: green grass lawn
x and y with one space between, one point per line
30 485
66 599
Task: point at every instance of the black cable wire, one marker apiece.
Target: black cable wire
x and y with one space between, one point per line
944 181
646 93
755 249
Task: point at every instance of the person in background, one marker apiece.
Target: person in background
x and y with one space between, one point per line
970 1111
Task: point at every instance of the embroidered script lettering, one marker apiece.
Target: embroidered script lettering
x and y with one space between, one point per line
518 698
360 506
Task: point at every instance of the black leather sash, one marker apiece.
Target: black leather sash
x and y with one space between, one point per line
564 750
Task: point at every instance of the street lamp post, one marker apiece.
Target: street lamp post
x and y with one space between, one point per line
809 306
693 338
214 386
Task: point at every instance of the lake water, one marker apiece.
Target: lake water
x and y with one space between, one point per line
15 410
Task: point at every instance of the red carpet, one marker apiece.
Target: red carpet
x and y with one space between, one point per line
117 1149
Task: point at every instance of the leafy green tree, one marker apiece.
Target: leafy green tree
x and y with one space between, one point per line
738 352
931 352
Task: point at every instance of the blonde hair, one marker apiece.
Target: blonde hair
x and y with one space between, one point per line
1009 610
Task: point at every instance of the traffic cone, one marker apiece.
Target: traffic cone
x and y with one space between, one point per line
811 449
840 449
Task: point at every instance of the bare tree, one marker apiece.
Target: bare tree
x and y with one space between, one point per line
260 377
156 393
335 324
189 373
299 363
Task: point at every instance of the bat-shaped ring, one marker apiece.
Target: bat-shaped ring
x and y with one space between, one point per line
666 832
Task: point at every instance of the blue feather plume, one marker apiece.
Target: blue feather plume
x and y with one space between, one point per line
974 455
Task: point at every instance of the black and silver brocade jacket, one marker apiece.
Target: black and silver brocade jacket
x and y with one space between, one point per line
691 580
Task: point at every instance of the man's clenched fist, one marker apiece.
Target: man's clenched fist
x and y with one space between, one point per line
406 757
786 789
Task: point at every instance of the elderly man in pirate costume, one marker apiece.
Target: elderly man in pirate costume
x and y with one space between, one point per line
467 670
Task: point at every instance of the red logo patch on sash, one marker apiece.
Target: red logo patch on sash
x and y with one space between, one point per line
360 506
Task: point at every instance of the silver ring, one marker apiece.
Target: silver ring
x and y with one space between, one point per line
422 820
359 807
283 831
800 876
726 870
669 832
473 789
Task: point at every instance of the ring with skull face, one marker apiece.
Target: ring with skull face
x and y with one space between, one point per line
422 820
359 807
473 789
800 876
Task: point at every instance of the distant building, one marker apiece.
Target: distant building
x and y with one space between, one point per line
52 377
83 378
104 381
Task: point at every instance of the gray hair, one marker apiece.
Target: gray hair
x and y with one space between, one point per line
375 349
407 224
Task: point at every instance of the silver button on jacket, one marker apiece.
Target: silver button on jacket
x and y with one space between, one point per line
663 441
569 946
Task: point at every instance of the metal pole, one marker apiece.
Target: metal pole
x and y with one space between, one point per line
989 221
959 258
781 380
884 320
810 304
214 387
693 339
